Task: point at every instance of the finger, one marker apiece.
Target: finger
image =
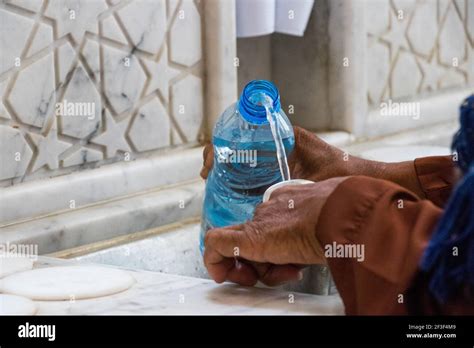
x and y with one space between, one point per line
242 273
204 173
220 268
208 160
205 154
222 264
273 275
262 208
236 241
205 162
208 156
233 270
219 252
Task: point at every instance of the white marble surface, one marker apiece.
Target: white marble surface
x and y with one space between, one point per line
17 27
92 186
113 138
404 153
411 52
121 57
109 219
85 16
49 147
158 293
157 253
188 110
15 151
119 68
160 74
432 110
185 43
149 32
151 128
80 90
16 305
36 82
438 137
336 138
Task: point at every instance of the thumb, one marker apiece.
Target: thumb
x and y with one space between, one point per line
207 161
232 241
222 248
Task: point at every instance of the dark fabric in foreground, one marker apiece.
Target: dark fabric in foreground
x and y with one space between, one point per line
449 257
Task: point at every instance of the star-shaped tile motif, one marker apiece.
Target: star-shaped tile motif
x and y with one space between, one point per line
75 16
396 36
48 148
432 72
161 73
113 137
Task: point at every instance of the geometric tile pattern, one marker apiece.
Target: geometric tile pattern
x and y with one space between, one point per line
418 47
90 82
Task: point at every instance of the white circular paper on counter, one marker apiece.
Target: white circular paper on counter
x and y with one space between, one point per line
67 283
16 305
13 264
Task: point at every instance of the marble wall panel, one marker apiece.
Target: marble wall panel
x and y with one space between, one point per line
85 83
418 47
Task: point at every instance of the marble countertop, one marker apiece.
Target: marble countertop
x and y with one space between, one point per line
160 293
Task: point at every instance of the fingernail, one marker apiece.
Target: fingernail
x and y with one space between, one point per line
300 275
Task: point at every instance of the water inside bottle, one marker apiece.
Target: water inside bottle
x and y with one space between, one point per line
236 185
267 102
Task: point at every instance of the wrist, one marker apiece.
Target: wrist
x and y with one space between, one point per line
404 174
401 173
359 166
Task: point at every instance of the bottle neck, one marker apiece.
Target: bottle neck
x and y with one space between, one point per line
254 96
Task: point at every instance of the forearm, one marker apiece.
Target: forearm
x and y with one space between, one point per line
400 173
316 160
431 178
428 178
392 237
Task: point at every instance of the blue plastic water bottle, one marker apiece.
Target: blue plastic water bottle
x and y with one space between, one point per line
245 159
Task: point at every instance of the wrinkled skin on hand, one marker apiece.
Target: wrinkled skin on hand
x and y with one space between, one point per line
278 242
314 159
311 159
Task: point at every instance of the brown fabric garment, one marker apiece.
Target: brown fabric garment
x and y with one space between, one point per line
436 176
394 226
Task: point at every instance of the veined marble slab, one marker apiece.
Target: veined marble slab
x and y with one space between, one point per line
425 141
404 153
129 89
158 293
108 220
41 197
432 110
179 243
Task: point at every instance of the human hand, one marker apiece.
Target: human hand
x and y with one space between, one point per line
311 159
314 159
277 243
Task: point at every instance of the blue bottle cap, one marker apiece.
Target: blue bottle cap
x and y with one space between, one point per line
252 111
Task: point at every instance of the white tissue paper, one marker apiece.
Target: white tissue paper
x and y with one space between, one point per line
263 17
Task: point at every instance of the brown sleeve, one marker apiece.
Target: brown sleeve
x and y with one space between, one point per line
393 227
437 176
